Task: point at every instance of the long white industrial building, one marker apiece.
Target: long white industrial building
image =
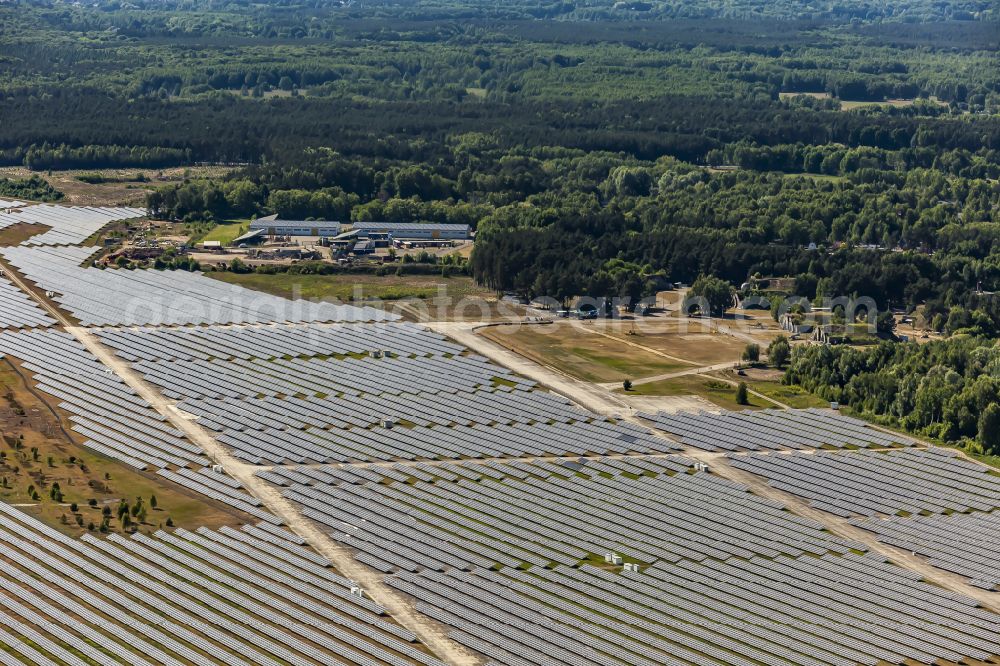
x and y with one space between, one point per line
272 226
413 231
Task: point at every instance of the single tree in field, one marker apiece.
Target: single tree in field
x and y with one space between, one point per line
742 396
627 384
779 351
751 353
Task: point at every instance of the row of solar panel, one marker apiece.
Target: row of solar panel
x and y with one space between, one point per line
240 379
869 483
268 430
332 475
17 310
771 429
273 341
113 297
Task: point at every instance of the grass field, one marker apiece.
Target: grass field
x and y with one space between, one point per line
584 355
846 105
225 233
814 95
18 233
353 286
699 348
795 397
819 177
715 391
26 423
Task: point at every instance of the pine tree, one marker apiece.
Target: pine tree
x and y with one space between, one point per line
742 397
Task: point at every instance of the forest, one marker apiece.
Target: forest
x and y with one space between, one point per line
598 148
947 390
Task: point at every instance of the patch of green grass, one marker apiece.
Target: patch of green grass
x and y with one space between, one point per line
627 364
793 396
225 233
715 391
348 286
583 355
818 177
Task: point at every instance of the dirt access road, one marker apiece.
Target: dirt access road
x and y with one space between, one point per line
400 608
590 396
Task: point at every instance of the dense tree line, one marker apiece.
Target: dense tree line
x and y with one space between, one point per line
940 389
90 130
45 157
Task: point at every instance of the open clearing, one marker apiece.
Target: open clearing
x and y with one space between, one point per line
814 95
896 103
697 346
768 382
714 390
223 233
847 105
582 354
27 422
413 297
612 351
122 188
18 233
353 286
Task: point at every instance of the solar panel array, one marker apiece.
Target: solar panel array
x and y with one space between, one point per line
807 611
120 297
880 483
11 203
273 341
308 394
407 472
462 441
236 379
485 515
344 429
771 429
102 408
965 544
17 310
221 488
70 225
251 596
